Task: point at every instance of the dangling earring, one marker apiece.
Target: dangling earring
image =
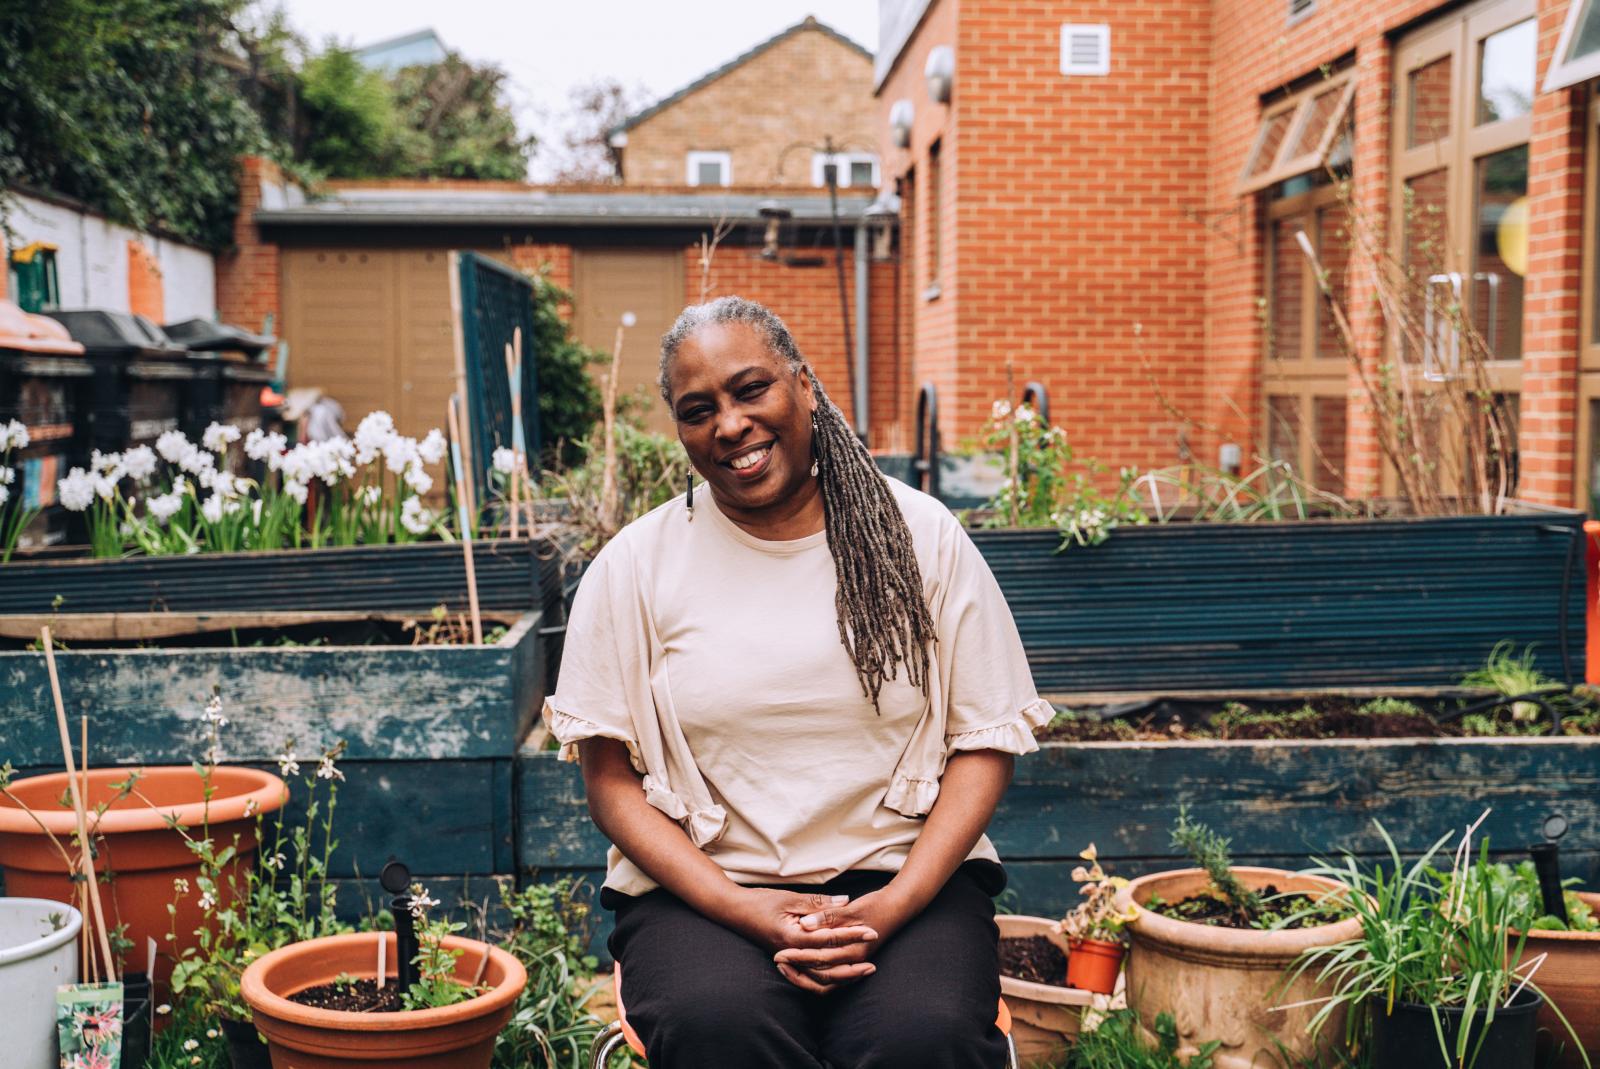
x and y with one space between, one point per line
814 465
689 495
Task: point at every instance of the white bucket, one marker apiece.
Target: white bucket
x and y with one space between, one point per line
38 953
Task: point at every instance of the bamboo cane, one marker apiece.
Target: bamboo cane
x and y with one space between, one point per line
77 806
92 972
463 501
513 380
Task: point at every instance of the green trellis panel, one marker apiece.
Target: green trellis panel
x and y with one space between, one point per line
495 301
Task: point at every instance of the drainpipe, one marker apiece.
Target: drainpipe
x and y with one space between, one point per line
862 295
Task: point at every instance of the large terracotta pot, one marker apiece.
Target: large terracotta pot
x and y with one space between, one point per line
1044 1018
1223 983
303 1037
135 845
1570 978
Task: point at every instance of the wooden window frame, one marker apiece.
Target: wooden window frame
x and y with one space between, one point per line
1299 107
1588 326
1565 73
934 175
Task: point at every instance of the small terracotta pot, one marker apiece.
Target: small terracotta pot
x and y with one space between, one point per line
304 1037
1569 978
136 846
1093 965
1226 984
1044 1018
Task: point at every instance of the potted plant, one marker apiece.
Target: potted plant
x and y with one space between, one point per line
1427 981
37 954
341 1000
1095 930
1210 946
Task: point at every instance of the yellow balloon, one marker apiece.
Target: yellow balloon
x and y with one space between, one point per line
1511 236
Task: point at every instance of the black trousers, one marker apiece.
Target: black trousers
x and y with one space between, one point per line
704 997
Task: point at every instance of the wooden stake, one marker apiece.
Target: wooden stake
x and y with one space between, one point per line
463 500
483 964
513 380
77 807
383 949
92 972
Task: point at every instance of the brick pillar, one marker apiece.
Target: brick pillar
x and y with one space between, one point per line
247 274
1550 312
146 294
1364 461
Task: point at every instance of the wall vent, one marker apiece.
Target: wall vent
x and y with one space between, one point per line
1299 9
1085 48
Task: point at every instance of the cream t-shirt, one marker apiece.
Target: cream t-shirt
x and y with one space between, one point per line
715 656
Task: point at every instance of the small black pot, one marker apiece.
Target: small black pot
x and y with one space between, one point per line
135 1020
245 1048
1407 1038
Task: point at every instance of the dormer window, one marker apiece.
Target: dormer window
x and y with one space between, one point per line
710 169
858 169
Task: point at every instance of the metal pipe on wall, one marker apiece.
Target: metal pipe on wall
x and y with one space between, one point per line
863 295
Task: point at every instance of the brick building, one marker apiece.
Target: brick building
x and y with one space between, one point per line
1112 196
764 119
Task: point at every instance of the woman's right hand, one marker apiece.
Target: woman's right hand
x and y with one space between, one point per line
771 918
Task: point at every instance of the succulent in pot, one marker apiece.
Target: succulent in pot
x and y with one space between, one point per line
1095 929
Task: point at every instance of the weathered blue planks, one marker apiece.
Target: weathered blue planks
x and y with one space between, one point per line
1406 602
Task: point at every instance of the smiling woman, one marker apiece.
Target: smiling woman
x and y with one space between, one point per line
796 695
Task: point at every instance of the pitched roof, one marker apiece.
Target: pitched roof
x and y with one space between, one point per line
810 22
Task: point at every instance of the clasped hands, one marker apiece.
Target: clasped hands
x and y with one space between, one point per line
821 942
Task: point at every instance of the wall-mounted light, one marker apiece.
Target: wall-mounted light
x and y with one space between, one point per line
774 213
900 116
940 73
881 217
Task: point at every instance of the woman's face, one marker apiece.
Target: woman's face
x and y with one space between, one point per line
743 417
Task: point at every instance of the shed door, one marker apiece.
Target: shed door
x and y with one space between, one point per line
650 284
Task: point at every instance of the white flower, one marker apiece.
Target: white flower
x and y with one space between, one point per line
199 463
419 480
213 713
211 509
139 463
295 490
415 518
222 483
208 901
6 474
259 445
13 435
105 486
326 769
190 1044
372 436
287 765
504 460
180 885
255 511
432 447
1025 414
5 492
369 495
212 1033
105 463
250 807
76 491
174 446
420 901
164 1008
401 453
218 435
1000 411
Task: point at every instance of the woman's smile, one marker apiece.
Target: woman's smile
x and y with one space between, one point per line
750 463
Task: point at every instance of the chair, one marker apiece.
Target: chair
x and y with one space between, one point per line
619 1032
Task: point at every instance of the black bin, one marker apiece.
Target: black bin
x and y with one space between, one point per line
139 379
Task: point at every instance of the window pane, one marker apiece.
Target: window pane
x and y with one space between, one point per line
1423 254
1594 458
1283 430
1323 107
1333 248
861 172
830 174
708 173
1269 141
1328 436
1510 405
1287 311
1506 63
1500 253
1428 103
1587 38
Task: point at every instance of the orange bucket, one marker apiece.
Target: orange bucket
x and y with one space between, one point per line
1093 964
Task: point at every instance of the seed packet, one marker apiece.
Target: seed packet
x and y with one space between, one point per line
89 1025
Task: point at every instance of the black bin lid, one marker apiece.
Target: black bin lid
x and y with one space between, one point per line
207 336
103 333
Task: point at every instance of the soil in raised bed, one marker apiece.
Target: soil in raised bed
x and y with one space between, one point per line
1318 717
352 996
1212 910
1033 958
369 631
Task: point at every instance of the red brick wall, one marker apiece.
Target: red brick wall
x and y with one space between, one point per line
146 294
247 275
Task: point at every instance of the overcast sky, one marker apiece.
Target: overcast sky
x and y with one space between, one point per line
548 47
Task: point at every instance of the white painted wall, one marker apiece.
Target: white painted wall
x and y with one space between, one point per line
92 260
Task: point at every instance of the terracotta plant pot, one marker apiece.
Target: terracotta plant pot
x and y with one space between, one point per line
1044 1017
303 1037
1224 983
1093 965
1569 978
135 845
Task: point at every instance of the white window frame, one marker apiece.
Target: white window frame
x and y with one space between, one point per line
842 160
1569 72
696 158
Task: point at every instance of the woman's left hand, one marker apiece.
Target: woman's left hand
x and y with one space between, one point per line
826 969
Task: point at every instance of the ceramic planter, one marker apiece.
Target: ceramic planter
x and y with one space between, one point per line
1093 965
135 845
303 1037
1044 1017
1570 978
1226 984
1409 1037
38 953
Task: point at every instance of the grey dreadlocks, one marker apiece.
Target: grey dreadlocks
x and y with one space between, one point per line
883 619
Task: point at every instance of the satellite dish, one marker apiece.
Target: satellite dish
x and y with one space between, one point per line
395 877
